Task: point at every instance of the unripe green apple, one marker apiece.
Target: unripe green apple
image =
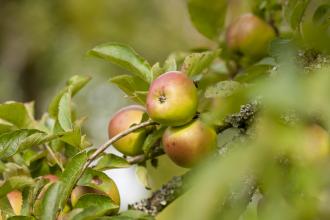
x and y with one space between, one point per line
188 144
315 143
172 99
249 35
131 144
15 199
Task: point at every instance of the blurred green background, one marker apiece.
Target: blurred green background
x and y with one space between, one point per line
43 43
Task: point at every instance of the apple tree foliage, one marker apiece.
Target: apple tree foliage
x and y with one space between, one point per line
271 113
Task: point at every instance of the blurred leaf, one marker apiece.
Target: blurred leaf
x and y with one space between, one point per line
15 113
111 161
71 174
16 182
64 112
294 11
50 203
15 141
130 84
125 57
208 16
253 73
74 84
129 215
152 139
195 63
142 174
322 14
222 89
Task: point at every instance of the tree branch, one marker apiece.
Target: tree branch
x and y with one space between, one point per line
161 198
155 152
103 147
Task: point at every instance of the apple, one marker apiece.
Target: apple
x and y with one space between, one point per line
315 143
249 35
172 99
15 199
187 145
131 144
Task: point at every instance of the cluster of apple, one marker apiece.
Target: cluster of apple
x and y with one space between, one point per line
249 36
171 101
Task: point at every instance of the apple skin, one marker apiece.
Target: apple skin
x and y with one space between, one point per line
131 144
249 35
172 99
188 144
15 199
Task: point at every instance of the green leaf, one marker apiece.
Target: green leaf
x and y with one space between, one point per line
74 137
169 65
14 169
195 63
142 174
208 16
71 174
64 112
222 89
15 113
16 182
51 201
16 141
74 84
88 200
21 218
98 180
152 139
253 73
6 126
130 215
130 84
125 57
294 11
111 161
34 192
91 206
322 14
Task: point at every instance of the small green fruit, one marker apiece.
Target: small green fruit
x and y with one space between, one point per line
172 99
131 144
188 144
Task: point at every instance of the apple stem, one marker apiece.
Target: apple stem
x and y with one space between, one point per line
52 154
104 146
